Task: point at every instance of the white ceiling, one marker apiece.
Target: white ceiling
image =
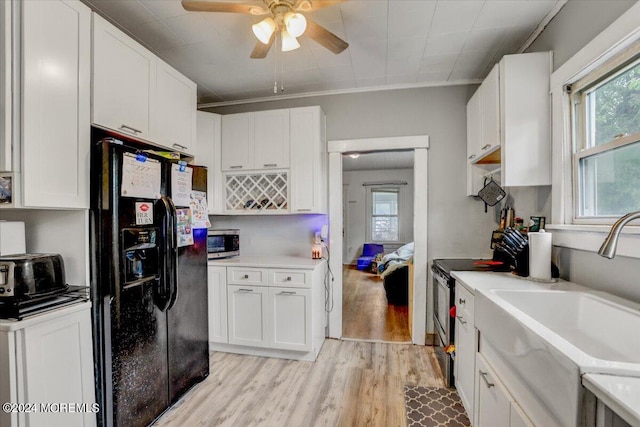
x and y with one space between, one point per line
378 161
392 43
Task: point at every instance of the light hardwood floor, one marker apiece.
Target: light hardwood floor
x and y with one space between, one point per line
365 312
350 384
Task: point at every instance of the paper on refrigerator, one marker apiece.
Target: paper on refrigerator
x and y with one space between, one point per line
184 228
141 177
199 209
181 185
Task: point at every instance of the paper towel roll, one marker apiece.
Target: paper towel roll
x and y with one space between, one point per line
540 255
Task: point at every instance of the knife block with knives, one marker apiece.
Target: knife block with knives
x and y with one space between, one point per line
512 247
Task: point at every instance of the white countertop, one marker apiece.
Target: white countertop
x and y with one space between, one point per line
485 280
268 262
7 325
621 394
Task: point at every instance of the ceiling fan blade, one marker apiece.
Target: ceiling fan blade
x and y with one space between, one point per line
325 37
260 50
311 5
208 6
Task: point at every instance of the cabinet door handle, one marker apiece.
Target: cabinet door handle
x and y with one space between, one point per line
461 301
270 165
303 210
235 167
245 290
246 276
288 279
486 146
180 147
473 156
461 319
286 293
486 381
130 129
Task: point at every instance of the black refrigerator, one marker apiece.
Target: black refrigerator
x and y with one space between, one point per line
148 287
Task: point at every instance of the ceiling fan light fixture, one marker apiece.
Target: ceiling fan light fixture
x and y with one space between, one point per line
289 42
264 29
296 23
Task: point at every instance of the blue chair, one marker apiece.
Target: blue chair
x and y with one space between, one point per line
369 252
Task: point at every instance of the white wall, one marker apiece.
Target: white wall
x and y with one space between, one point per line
356 212
575 26
458 226
273 234
577 23
61 232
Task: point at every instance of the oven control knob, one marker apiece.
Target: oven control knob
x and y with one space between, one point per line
1 291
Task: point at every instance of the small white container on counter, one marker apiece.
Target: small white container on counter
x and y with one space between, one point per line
540 255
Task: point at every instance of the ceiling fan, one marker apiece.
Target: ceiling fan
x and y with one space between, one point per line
284 17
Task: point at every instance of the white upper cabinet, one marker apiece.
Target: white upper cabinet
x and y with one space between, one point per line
490 112
308 161
207 153
474 132
525 114
6 152
271 139
237 142
136 93
512 126
56 71
175 119
255 141
287 149
123 81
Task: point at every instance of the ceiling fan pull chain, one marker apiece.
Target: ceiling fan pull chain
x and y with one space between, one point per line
281 72
275 69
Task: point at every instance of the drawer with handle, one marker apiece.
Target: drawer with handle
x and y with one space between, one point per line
290 278
464 301
246 276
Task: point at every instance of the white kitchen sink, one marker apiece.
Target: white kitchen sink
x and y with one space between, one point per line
548 338
599 327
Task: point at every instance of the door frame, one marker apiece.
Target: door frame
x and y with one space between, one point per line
419 144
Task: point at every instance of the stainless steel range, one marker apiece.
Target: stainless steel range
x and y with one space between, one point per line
444 300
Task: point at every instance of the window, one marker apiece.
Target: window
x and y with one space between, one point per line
606 130
384 218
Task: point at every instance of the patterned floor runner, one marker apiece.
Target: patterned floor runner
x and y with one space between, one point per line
434 407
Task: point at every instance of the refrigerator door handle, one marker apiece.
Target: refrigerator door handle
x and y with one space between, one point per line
164 289
173 255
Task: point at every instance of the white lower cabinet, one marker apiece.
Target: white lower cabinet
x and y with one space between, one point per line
217 284
247 313
465 357
48 360
493 403
290 318
270 311
495 407
466 345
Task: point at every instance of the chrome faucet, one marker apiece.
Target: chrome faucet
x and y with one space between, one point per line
608 248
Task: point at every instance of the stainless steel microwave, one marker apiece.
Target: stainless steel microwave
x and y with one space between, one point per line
223 243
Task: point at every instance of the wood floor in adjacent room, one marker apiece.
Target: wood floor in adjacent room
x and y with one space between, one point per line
366 314
350 384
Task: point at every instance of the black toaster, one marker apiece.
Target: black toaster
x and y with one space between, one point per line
31 277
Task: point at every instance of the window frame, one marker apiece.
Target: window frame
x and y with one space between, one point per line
369 212
613 40
579 124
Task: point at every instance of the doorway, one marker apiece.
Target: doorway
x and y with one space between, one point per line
419 144
377 220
